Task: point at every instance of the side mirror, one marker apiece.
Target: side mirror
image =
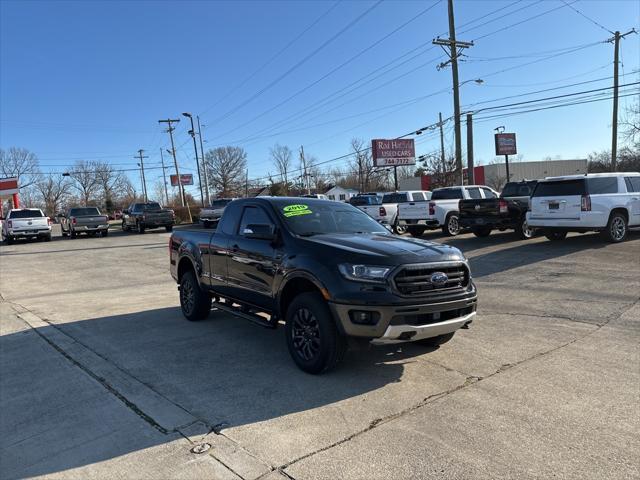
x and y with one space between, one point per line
260 232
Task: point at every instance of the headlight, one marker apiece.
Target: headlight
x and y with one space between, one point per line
364 273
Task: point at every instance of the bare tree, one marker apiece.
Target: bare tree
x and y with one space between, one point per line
631 125
20 163
54 190
85 180
226 170
159 194
441 175
111 184
281 156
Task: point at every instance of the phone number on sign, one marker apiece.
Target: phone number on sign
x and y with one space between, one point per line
391 162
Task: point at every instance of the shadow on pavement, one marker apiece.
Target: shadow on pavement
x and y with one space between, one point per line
223 371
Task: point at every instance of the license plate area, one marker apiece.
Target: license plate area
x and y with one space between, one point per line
554 206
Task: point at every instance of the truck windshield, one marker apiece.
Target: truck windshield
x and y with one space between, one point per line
79 212
26 214
320 217
447 194
220 203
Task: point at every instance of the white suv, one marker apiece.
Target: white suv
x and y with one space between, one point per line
603 202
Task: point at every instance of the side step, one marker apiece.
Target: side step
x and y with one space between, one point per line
252 317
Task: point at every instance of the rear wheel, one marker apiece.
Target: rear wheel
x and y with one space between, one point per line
140 227
451 225
523 230
194 301
416 231
313 339
125 227
556 235
206 224
72 233
399 229
105 233
64 233
9 240
169 228
436 341
47 238
482 232
616 230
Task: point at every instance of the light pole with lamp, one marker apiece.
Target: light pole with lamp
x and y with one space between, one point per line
192 132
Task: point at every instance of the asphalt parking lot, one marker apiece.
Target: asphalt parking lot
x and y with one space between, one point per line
103 378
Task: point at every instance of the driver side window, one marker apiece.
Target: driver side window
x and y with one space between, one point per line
253 216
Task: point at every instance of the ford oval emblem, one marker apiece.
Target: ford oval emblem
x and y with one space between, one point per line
439 278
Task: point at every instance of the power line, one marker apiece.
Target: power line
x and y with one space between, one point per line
588 18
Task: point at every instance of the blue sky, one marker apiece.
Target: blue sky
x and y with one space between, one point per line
90 79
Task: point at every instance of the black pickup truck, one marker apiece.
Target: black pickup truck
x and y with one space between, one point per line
326 269
508 211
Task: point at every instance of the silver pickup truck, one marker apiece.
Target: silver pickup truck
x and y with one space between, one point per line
211 214
87 220
26 223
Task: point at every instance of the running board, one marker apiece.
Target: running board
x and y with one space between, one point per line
253 318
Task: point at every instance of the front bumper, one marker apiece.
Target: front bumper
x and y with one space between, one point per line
401 323
418 223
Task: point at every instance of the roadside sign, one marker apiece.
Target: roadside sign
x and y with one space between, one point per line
8 186
506 144
393 153
185 179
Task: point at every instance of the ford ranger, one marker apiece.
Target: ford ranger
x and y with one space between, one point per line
326 269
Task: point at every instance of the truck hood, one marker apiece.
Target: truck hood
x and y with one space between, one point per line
388 249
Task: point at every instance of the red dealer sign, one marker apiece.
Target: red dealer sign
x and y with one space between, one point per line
185 179
8 186
506 144
393 153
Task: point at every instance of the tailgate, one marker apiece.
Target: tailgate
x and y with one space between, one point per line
91 221
371 210
560 199
413 211
157 216
482 207
29 223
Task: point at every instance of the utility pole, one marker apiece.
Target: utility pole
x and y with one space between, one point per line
170 130
164 177
246 183
144 182
470 180
455 50
192 132
306 175
204 164
442 157
614 124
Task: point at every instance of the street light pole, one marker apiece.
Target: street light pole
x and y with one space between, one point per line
204 164
192 132
144 182
169 121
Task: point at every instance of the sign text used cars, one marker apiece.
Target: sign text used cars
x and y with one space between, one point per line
389 153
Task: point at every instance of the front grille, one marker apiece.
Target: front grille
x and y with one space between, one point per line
415 280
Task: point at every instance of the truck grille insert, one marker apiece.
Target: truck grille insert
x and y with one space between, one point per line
417 280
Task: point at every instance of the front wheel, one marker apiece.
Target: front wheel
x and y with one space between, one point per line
524 231
313 340
194 301
140 227
72 233
556 235
482 232
436 341
125 228
105 233
616 230
451 225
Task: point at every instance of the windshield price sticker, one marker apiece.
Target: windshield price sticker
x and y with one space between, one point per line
295 210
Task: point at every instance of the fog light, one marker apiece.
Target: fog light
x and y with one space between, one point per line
406 335
364 317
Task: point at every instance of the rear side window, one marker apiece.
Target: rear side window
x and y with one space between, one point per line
474 193
447 194
26 214
560 188
489 193
394 198
633 184
602 185
229 219
418 197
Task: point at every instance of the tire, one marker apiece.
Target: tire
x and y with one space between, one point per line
169 228
617 229
47 238
140 227
436 341
64 234
72 233
313 339
451 226
523 231
556 235
9 240
482 232
399 229
125 227
194 301
206 224
105 233
416 231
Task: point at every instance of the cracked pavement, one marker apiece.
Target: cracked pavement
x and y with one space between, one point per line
102 377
